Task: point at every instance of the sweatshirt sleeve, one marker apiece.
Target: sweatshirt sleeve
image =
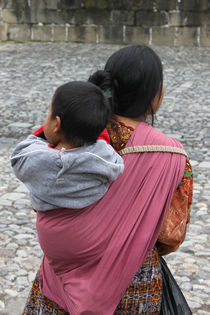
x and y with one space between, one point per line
23 151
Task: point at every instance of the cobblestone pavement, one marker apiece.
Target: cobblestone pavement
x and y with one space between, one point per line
29 73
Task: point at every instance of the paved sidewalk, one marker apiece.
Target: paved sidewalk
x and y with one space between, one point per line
29 74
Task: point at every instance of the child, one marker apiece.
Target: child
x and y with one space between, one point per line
73 166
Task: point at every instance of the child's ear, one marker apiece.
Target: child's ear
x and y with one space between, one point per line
57 124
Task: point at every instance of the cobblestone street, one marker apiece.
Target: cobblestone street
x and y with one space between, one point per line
29 74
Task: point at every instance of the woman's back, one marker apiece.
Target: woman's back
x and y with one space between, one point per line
100 241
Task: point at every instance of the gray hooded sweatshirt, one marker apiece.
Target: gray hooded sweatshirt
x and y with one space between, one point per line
72 178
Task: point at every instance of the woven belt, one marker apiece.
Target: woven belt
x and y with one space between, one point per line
152 148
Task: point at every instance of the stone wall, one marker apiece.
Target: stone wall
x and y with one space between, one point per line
158 22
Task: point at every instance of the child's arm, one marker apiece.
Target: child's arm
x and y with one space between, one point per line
30 160
22 158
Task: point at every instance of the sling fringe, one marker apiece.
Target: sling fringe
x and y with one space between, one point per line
152 148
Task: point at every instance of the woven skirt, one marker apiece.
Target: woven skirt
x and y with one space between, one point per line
143 296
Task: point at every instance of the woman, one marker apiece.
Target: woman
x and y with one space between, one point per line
92 256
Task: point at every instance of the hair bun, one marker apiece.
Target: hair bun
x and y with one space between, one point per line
102 78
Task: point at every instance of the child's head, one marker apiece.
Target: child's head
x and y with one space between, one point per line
79 111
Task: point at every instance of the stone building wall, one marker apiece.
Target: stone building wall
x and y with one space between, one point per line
158 22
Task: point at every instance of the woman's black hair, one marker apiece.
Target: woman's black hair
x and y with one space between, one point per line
83 109
134 76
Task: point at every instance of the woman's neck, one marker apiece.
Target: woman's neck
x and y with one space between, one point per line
131 122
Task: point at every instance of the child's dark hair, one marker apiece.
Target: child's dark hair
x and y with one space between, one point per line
133 76
83 109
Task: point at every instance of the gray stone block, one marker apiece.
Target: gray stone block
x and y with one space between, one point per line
166 5
68 16
186 36
174 19
111 34
59 33
38 4
100 4
122 17
87 34
189 18
23 13
9 16
149 19
15 306
13 4
194 5
6 4
19 32
205 36
205 165
42 33
198 19
163 36
43 16
70 4
59 17
118 4
33 16
137 4
136 35
52 4
90 16
3 32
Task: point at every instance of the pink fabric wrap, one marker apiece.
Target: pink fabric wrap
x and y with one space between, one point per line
92 254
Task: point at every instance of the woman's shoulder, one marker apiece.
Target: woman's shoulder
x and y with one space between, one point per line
166 140
146 134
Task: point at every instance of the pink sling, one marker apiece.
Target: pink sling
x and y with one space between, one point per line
92 254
